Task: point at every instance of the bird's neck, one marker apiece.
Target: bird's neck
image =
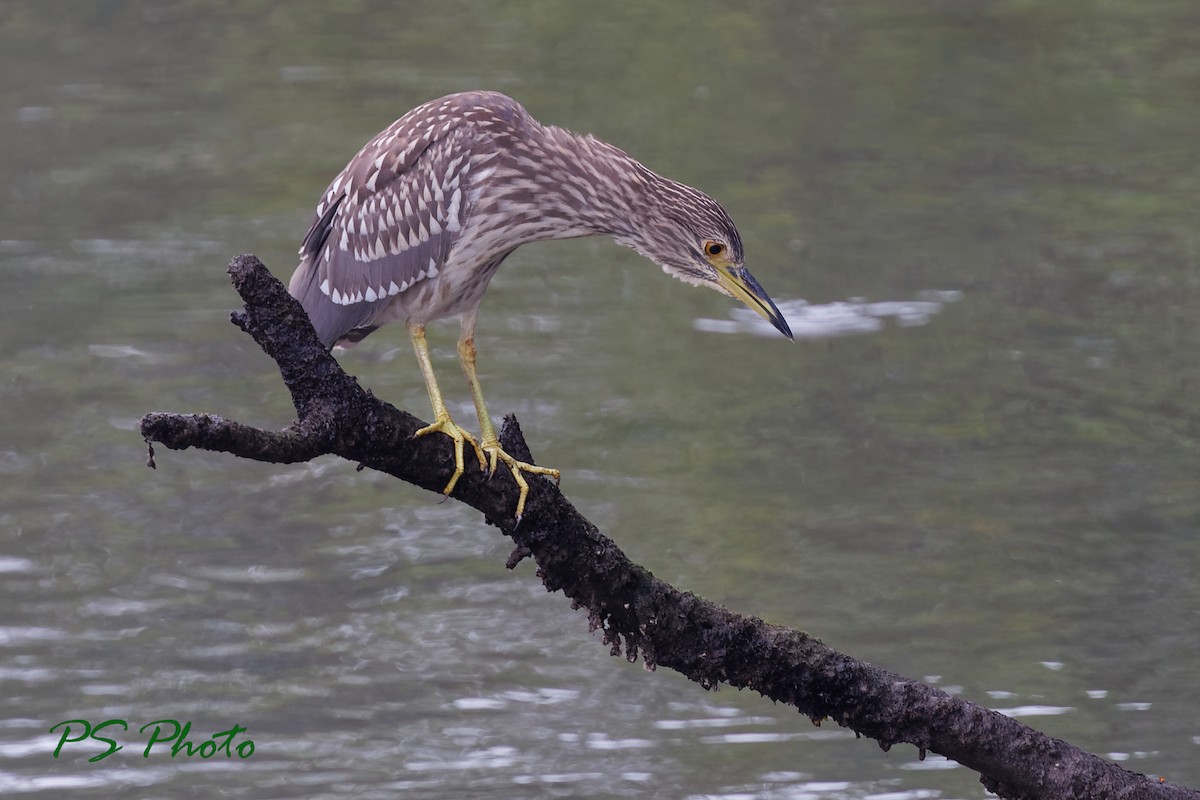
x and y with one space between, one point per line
595 188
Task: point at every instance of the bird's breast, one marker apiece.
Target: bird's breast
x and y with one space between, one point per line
458 288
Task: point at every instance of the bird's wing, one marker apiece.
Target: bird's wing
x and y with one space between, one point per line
384 224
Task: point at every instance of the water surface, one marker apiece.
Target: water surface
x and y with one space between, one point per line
977 466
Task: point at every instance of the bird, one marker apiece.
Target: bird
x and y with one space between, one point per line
417 223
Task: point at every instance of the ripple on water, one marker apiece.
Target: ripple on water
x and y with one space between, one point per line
1034 711
826 320
9 564
10 636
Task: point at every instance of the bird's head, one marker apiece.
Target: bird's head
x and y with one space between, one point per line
692 238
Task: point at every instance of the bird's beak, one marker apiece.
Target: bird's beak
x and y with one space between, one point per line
739 283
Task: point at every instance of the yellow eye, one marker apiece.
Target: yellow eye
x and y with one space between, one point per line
714 248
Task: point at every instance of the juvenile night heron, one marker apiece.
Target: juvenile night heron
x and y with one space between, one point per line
418 222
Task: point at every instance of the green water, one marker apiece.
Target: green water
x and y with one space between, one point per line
1000 496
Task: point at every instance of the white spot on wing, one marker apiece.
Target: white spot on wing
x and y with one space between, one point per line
452 210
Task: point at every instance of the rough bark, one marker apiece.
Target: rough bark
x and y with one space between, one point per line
637 613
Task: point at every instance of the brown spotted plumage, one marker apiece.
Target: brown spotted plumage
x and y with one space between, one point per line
415 226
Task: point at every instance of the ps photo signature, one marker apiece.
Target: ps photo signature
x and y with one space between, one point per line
78 732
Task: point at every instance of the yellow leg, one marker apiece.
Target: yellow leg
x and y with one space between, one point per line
489 442
441 417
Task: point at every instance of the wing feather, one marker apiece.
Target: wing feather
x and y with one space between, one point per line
386 223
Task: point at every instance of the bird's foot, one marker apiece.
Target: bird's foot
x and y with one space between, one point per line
445 425
496 454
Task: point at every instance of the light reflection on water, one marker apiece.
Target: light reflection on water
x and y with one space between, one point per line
825 320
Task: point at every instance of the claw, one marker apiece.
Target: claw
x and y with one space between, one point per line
451 428
497 454
490 454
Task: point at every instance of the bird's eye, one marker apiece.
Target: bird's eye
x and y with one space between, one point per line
714 248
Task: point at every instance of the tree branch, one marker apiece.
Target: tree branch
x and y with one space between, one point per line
637 613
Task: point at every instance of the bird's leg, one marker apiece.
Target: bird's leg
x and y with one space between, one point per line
489 442
441 417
